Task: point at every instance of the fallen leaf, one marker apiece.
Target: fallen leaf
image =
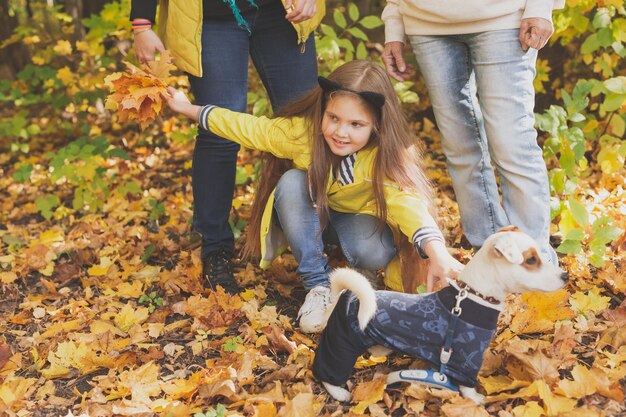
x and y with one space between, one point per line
367 393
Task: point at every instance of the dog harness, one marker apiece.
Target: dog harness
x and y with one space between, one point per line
416 325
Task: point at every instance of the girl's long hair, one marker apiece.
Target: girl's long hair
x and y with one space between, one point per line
398 158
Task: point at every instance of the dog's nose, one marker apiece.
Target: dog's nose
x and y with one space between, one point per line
564 276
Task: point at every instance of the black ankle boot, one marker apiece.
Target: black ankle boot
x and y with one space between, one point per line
217 270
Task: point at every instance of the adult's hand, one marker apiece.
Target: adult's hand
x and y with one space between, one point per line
299 11
147 44
394 61
535 32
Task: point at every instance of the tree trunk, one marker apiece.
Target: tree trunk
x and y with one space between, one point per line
93 7
14 57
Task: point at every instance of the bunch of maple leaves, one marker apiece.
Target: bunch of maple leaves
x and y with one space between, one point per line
137 94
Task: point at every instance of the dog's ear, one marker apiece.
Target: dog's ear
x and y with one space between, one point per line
503 247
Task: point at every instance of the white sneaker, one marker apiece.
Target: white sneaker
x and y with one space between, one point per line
312 314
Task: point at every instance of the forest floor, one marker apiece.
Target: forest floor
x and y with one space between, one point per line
102 313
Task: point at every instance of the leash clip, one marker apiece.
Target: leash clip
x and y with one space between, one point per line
444 356
462 295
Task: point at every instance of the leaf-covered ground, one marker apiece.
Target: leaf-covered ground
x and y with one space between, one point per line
102 312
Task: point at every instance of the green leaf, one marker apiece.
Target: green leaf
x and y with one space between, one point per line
577 117
590 44
613 102
328 31
147 254
575 234
353 11
119 153
340 19
371 22
570 247
46 204
361 51
602 18
22 173
358 33
616 85
579 213
232 343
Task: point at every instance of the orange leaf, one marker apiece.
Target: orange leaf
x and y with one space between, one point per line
368 393
464 407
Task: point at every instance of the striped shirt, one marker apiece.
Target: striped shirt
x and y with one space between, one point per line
345 171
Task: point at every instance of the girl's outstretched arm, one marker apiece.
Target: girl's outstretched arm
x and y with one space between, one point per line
178 102
442 265
284 138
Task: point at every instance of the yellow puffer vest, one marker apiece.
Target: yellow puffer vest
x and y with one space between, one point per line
180 29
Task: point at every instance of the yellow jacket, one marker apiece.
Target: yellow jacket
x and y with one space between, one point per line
290 139
180 28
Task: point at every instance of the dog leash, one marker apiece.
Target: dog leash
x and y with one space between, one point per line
446 349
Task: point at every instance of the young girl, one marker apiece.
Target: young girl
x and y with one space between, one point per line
355 180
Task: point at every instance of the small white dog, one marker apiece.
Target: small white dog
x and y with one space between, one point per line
452 326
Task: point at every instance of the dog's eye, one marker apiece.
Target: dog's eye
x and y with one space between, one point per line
532 260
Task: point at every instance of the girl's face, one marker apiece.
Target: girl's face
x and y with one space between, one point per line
347 124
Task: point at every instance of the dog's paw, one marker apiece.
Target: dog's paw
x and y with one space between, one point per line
338 393
378 350
471 393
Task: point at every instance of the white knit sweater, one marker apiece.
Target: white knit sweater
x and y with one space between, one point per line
449 17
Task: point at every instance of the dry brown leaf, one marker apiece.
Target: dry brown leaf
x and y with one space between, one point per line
304 404
279 341
464 407
367 393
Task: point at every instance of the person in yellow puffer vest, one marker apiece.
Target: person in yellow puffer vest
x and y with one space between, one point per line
355 180
211 40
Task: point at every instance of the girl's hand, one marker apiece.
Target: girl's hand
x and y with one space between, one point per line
178 101
442 265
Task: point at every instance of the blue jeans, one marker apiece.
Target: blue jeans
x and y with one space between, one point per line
481 89
286 73
362 243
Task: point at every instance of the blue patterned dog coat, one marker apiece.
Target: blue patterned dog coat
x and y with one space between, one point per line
415 325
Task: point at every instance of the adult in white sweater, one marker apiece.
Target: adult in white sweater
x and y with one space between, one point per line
477 58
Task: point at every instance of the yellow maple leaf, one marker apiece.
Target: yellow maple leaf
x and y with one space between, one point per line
530 409
66 76
591 301
303 404
8 277
541 312
499 383
464 407
143 382
63 48
128 316
183 388
583 383
102 269
367 393
14 389
553 404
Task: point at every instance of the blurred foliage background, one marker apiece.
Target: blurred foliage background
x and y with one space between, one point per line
57 136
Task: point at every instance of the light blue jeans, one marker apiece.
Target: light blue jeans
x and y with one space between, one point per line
356 234
481 89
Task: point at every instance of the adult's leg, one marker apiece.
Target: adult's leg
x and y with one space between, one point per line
504 73
362 243
301 225
224 83
444 62
287 69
